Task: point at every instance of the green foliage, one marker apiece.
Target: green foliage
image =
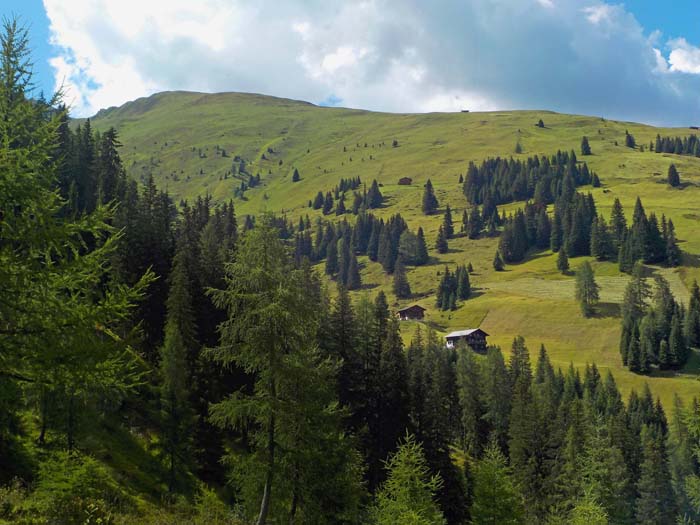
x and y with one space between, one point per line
441 241
430 202
587 290
585 146
496 497
402 288
674 180
407 496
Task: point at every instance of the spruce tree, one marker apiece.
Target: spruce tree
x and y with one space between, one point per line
177 414
463 285
673 178
421 248
585 146
353 281
692 318
655 504
498 262
476 223
402 288
295 176
562 262
441 241
430 202
587 290
447 225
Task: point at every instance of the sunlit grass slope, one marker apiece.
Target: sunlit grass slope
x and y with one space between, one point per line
178 137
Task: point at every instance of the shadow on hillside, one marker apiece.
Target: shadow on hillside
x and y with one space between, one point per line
691 260
606 310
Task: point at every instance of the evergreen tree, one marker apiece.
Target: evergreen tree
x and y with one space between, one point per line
585 146
473 427
353 281
463 285
498 262
327 203
475 223
430 202
497 499
562 262
291 402
692 318
295 176
402 288
441 241
422 249
447 225
177 414
407 496
374 197
655 503
629 140
674 180
586 289
673 252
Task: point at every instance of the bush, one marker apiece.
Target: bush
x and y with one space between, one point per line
75 489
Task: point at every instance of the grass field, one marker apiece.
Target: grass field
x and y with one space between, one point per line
178 136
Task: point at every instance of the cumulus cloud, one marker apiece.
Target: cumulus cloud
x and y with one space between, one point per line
588 57
684 57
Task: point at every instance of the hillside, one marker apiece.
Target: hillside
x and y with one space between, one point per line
191 141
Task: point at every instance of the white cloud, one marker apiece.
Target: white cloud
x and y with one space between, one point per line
387 55
684 57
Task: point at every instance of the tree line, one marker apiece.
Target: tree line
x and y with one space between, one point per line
499 181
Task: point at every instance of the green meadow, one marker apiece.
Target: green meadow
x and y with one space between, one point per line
188 142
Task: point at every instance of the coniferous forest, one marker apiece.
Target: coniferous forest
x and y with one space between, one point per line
266 393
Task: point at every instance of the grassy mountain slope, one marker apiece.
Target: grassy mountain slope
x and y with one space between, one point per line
178 138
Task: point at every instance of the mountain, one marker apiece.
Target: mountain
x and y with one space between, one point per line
196 144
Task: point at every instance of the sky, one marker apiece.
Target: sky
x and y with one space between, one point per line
636 60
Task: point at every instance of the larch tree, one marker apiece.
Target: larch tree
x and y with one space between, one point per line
407 496
270 332
497 501
61 318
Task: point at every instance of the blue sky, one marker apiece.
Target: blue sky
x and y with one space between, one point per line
637 60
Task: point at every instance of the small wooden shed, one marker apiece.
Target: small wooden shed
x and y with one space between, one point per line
411 313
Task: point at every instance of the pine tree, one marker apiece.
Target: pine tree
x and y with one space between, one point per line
441 241
497 499
295 176
430 202
673 178
562 262
673 254
587 291
177 414
618 224
585 146
476 223
692 318
374 197
327 203
447 225
463 284
353 281
655 504
421 249
393 414
402 288
498 262
473 427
